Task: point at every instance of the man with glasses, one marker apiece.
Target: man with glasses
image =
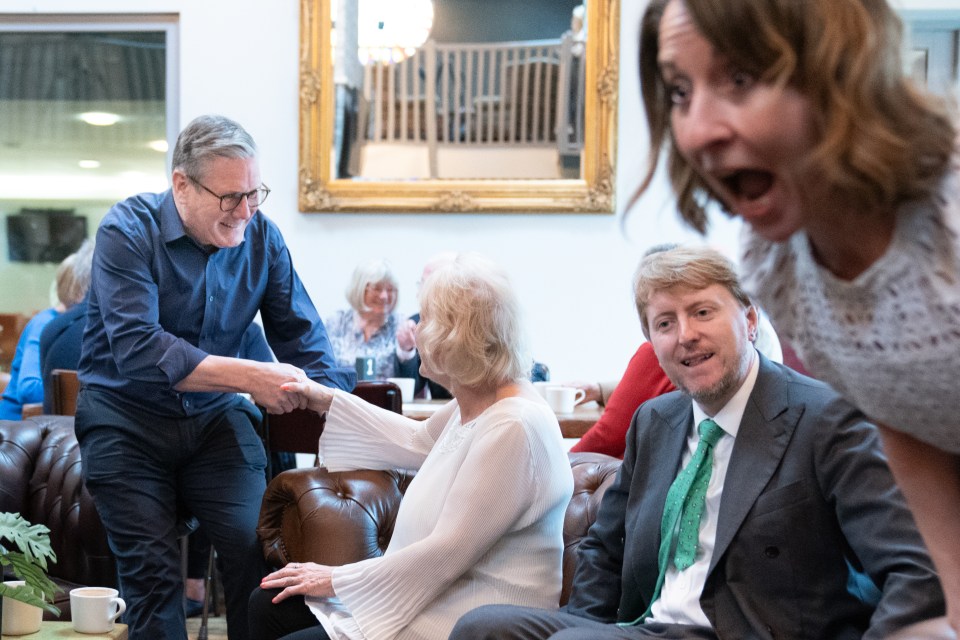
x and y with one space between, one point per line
177 278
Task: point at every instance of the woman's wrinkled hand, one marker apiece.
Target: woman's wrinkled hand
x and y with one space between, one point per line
309 395
300 579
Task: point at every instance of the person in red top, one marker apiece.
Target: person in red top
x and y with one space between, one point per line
643 379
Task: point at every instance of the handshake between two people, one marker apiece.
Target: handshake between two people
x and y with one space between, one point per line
282 388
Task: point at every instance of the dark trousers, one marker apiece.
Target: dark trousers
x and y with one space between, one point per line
506 622
145 473
287 620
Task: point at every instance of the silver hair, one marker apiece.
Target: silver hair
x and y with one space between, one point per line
370 272
210 136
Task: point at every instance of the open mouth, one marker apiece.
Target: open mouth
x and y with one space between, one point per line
749 184
696 360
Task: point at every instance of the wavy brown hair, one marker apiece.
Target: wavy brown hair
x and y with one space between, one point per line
881 139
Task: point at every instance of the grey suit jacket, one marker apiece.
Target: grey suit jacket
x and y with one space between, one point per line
807 496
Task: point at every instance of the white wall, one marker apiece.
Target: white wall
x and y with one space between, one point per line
240 58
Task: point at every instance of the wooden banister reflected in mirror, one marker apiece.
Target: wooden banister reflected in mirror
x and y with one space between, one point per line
522 126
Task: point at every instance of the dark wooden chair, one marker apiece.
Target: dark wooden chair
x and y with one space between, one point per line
380 393
66 386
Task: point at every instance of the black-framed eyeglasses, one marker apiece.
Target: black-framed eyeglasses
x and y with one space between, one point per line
230 201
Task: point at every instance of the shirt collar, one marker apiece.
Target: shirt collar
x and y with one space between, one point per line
171 225
729 417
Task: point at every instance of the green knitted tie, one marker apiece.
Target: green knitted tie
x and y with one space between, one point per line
685 502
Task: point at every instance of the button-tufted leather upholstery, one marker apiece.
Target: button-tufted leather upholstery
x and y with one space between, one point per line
337 518
40 479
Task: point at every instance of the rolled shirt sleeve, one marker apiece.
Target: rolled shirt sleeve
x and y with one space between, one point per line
160 303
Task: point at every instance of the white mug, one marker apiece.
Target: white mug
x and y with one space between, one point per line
564 399
542 387
95 609
406 387
20 618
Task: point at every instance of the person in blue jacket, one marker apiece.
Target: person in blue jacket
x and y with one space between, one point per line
26 384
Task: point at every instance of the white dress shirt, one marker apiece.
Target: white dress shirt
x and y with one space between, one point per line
679 600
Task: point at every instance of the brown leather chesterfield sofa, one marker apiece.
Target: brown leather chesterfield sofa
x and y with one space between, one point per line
337 518
312 515
40 479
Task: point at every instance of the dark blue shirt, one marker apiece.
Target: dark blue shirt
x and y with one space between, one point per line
159 303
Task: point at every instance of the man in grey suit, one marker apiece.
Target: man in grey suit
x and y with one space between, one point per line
803 532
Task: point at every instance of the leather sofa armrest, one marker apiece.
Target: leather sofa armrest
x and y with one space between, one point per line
593 473
313 515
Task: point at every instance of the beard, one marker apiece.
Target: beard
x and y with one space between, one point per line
724 388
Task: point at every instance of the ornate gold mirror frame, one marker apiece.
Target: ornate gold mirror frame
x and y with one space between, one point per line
593 192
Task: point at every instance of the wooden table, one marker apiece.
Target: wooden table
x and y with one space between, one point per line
50 630
572 425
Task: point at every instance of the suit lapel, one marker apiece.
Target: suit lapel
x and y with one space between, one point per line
670 437
765 431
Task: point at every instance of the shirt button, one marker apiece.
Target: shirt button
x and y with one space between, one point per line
211 298
771 552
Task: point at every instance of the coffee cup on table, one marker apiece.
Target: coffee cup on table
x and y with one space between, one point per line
95 609
542 386
406 387
19 618
563 399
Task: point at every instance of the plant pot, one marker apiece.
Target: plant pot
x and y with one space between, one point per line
19 618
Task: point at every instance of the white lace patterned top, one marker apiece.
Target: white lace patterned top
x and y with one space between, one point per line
888 340
481 523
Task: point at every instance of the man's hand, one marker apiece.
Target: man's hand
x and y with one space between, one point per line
591 390
262 380
265 382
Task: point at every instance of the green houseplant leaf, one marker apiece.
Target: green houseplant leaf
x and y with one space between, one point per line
26 549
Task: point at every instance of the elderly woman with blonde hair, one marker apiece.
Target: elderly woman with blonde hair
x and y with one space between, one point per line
482 520
369 327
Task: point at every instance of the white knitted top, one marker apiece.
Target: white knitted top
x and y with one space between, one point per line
481 523
888 340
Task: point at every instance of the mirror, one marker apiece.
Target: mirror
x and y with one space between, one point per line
492 105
